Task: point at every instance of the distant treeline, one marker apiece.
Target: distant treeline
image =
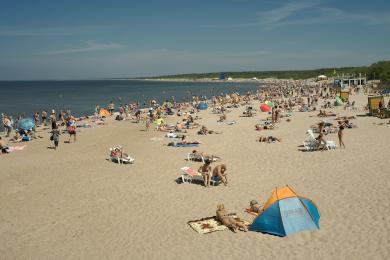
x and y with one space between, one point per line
379 70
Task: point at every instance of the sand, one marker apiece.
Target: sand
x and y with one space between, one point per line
74 204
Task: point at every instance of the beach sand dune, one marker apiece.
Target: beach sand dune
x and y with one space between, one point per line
74 204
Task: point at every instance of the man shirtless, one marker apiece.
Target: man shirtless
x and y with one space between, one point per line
220 171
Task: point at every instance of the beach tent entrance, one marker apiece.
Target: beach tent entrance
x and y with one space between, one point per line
373 104
286 213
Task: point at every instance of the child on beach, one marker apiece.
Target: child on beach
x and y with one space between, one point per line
55 137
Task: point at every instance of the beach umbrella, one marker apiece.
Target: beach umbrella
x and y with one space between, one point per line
202 106
269 103
264 108
104 113
286 213
26 124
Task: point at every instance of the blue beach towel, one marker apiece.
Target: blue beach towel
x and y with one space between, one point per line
185 145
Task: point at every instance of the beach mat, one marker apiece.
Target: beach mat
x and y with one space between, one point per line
211 224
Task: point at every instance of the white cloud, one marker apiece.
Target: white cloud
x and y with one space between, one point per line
88 46
51 31
314 13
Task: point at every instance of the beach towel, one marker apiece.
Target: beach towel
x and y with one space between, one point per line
211 224
16 148
231 122
185 145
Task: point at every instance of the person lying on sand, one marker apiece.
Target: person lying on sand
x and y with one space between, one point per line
3 147
220 172
205 155
184 140
204 131
268 139
255 207
259 127
323 113
229 221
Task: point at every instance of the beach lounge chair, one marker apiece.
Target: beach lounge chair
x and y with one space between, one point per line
188 175
115 157
311 143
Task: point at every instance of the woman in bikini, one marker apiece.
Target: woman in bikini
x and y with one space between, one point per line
205 170
340 134
255 207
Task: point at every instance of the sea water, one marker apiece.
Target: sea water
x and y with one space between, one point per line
81 96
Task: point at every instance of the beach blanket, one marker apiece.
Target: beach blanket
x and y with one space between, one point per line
16 148
211 224
231 122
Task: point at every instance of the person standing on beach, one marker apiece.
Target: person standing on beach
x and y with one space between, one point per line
71 128
340 134
53 119
7 125
111 107
36 118
44 117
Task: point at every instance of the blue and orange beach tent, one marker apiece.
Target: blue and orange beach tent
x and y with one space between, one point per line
286 213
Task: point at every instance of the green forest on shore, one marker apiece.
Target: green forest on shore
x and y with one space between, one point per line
379 70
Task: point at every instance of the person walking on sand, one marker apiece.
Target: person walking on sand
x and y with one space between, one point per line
53 119
44 117
55 137
340 134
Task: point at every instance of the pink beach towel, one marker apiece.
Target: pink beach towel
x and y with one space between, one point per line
16 148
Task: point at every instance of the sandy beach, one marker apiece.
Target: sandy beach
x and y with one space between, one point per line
75 204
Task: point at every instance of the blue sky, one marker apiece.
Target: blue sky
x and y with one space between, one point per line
88 39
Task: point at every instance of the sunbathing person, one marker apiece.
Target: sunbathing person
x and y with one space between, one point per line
205 131
323 113
229 221
118 152
222 118
184 140
268 139
320 139
205 155
16 138
255 207
259 127
220 172
205 170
